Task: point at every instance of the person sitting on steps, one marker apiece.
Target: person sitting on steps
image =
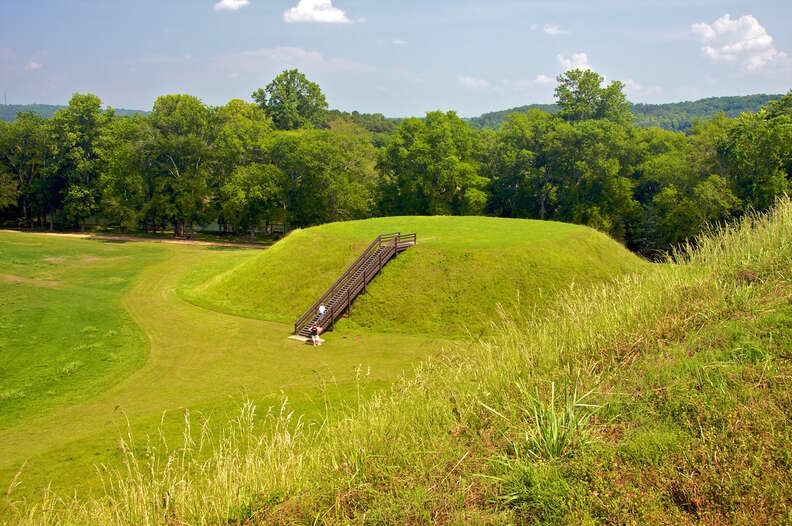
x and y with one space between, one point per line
315 331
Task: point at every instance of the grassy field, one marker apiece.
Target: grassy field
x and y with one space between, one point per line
450 284
664 397
97 332
64 334
94 332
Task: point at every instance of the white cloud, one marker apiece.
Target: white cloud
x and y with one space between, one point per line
398 42
743 40
576 61
632 85
554 29
32 66
316 11
550 29
543 79
230 5
473 83
636 89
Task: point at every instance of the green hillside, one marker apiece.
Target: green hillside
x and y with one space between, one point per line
450 283
494 119
660 398
96 334
9 112
678 116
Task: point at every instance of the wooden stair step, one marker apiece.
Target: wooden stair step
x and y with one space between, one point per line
349 285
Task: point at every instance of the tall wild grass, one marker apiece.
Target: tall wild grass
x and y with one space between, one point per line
452 440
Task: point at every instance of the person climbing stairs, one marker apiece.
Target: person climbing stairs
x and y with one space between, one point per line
338 299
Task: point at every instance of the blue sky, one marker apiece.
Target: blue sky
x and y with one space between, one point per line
394 57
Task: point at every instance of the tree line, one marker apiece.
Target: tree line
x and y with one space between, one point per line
285 157
676 116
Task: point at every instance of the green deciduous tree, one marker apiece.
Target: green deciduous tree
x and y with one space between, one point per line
581 96
782 106
251 195
524 179
756 150
25 155
79 204
329 176
242 132
78 128
681 215
180 158
597 158
126 151
9 193
76 131
431 166
292 101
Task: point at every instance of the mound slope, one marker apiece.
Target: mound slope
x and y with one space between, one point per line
451 283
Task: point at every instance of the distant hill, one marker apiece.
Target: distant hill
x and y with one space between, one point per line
671 116
495 118
8 112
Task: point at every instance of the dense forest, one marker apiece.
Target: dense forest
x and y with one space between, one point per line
285 157
677 116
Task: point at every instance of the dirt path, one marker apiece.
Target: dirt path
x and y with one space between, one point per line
114 237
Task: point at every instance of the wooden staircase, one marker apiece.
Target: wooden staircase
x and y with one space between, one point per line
339 297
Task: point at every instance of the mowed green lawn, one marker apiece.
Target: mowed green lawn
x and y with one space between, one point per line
451 284
64 334
94 333
113 311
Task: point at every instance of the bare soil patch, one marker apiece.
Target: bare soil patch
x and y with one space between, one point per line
48 283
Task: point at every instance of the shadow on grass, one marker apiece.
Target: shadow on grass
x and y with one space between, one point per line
228 248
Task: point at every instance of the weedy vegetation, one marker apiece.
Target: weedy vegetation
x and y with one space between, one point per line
685 419
206 339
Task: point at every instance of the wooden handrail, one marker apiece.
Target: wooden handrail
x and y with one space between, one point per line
393 239
329 292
